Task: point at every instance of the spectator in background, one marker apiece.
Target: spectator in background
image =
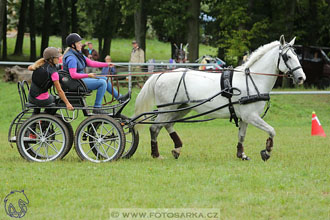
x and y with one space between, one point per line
111 69
90 53
60 59
137 56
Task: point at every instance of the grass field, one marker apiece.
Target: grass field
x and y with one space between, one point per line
293 184
120 49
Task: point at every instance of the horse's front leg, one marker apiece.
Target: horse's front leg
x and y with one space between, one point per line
260 123
241 136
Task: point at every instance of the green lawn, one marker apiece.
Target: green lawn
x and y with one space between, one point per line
120 49
293 184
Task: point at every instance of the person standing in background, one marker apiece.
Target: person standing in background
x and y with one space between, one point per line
137 56
92 54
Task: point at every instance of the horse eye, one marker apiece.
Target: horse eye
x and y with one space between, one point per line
289 57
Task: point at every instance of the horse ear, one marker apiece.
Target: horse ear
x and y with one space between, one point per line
292 41
282 40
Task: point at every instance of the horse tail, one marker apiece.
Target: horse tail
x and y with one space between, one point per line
146 98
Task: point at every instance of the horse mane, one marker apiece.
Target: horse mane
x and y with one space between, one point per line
258 53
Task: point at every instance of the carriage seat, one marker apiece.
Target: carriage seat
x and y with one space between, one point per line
31 105
73 87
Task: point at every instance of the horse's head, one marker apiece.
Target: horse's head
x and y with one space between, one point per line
180 54
288 61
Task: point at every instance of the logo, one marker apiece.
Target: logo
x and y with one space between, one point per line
15 204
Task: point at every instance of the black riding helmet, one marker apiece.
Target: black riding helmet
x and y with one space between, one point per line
72 38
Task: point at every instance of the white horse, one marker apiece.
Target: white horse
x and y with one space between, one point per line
160 89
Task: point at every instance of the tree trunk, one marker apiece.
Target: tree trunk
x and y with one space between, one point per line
20 29
33 53
100 44
62 6
74 21
140 25
45 26
106 48
193 30
4 33
2 14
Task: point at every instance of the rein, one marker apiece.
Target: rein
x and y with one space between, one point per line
211 71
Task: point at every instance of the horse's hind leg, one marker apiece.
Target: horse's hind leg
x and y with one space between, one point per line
241 136
154 131
176 140
174 136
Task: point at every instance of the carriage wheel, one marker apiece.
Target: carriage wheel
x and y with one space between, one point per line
71 135
42 138
71 138
99 138
132 140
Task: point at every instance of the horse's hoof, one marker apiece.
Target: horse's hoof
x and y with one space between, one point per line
159 157
243 156
246 158
264 155
175 154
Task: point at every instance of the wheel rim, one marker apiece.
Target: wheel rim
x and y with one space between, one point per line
99 140
130 136
49 141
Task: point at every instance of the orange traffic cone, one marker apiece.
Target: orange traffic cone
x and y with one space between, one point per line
317 129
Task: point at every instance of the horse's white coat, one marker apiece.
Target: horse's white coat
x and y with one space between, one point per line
201 85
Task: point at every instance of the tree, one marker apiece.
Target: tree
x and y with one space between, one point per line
21 28
140 24
62 6
193 29
4 33
32 26
169 19
74 17
45 26
3 6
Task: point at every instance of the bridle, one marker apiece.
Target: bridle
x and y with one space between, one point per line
285 58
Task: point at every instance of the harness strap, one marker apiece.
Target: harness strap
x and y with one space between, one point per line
182 79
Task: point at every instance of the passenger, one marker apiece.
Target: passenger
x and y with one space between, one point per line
75 62
43 78
111 69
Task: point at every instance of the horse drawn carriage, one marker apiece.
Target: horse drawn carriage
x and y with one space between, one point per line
239 94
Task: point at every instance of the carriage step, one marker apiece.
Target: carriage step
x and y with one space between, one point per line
26 139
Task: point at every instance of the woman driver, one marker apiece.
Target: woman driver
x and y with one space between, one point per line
75 62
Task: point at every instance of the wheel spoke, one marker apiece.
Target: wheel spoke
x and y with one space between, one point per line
33 145
40 127
57 141
53 147
105 151
59 132
37 151
34 132
91 149
89 135
46 132
107 131
111 146
102 125
95 130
